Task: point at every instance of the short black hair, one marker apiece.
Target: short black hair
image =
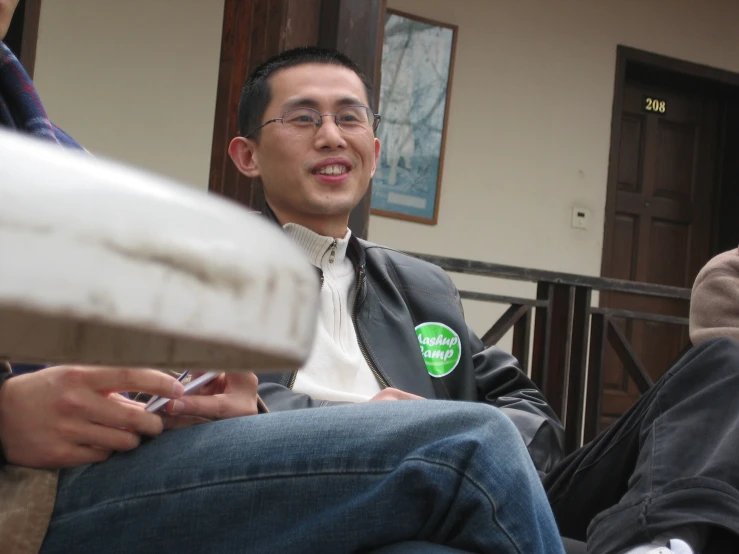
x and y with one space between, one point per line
256 94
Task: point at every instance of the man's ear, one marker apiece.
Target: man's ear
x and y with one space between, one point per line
244 156
377 157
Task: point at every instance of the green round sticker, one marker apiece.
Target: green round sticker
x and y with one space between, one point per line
440 348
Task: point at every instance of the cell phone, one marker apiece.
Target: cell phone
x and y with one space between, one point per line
156 403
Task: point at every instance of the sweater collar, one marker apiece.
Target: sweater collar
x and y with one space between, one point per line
323 252
354 250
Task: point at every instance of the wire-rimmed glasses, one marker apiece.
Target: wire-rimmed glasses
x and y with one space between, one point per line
305 121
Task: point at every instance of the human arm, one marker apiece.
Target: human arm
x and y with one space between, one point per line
68 416
502 383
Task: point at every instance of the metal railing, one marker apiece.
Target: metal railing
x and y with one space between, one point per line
570 336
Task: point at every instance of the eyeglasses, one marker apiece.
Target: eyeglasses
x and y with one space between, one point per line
306 121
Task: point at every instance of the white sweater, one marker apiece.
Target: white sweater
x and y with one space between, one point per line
336 370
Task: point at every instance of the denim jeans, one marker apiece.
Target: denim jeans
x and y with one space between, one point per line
343 479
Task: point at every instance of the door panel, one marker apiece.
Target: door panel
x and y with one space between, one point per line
661 223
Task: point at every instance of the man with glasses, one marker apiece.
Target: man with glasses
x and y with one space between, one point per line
357 478
662 479
308 134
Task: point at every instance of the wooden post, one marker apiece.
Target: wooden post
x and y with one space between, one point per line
356 28
577 374
521 340
23 33
560 352
598 340
542 336
253 31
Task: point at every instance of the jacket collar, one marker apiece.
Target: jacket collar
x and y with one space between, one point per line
355 251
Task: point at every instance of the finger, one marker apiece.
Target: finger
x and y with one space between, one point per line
384 398
80 455
123 400
397 394
131 416
390 394
401 395
237 381
181 422
106 438
384 395
244 381
149 381
219 406
216 386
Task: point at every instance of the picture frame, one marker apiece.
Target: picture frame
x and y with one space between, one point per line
415 93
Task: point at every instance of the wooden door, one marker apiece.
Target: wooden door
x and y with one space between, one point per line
660 222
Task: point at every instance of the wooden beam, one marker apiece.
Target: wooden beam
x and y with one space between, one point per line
487 269
501 299
22 35
31 17
356 28
542 335
628 357
522 339
594 400
576 372
504 324
253 31
643 316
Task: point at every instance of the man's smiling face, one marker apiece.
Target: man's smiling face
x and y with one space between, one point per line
314 178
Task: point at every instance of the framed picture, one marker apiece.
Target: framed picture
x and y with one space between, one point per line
417 65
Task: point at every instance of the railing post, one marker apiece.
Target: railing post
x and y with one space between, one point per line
577 374
542 332
551 355
560 353
598 341
521 340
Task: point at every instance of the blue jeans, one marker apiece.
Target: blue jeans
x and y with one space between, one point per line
341 479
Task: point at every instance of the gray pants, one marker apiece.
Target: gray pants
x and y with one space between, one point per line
671 460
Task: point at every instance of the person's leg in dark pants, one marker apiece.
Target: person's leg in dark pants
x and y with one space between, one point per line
670 462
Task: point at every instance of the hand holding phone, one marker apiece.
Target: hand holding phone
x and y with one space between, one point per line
156 403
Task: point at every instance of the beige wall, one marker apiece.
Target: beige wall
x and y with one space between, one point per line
529 128
134 79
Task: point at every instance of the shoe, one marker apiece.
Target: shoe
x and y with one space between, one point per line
673 546
677 546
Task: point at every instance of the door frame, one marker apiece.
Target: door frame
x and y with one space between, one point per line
627 56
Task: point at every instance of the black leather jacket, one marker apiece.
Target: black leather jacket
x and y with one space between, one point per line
395 293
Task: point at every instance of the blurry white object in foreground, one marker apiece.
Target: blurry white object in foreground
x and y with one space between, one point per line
104 264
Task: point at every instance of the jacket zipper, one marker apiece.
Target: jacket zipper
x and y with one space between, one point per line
371 365
332 256
294 374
